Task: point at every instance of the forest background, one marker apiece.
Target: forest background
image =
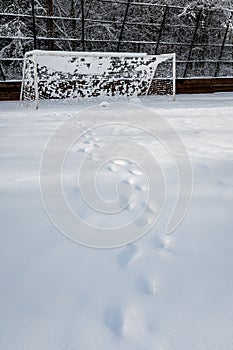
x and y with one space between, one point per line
200 32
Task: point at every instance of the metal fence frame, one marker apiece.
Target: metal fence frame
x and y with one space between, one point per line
84 41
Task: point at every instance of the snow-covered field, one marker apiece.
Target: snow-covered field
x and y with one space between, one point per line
163 291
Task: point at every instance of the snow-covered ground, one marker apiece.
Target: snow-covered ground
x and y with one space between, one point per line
168 292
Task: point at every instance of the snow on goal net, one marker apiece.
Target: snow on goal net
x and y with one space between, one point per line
59 75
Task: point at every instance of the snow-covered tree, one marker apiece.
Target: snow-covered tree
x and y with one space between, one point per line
196 30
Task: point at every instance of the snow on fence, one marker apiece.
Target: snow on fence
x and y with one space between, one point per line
201 36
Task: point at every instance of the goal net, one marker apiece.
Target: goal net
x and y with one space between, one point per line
84 75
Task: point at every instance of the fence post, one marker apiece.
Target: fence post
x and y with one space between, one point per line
221 51
34 24
161 28
73 24
192 42
51 43
2 73
83 24
123 25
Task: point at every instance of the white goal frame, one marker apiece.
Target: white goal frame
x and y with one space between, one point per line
59 74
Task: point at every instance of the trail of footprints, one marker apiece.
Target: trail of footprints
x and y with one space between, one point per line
120 320
117 318
126 171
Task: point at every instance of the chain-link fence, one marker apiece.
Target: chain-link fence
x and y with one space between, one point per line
202 37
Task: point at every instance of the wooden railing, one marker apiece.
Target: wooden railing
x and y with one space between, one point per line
10 91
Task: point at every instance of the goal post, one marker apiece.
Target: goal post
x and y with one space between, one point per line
85 75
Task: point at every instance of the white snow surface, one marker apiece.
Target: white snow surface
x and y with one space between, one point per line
161 292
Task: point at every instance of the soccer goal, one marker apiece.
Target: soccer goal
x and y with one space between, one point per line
85 75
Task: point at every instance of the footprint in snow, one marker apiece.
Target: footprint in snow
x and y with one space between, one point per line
114 320
161 243
87 136
83 150
136 172
113 168
148 285
142 187
120 162
87 147
127 255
